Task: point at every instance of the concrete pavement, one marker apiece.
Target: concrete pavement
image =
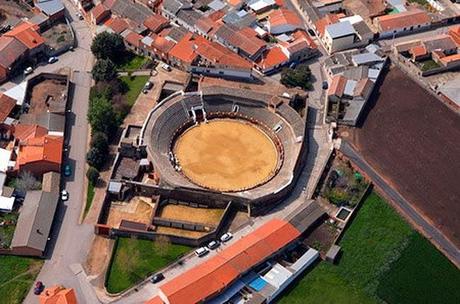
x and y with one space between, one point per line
433 234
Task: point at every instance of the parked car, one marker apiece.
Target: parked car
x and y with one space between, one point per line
38 288
166 67
226 237
28 71
213 245
67 170
148 85
52 59
64 195
157 278
200 252
79 16
311 32
325 85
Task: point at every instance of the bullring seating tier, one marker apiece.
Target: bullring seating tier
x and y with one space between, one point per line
171 118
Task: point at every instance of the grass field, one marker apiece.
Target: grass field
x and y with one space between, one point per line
89 197
383 259
135 85
17 277
131 62
421 275
133 260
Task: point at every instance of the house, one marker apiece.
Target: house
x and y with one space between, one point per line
117 25
261 6
157 46
231 263
242 41
240 18
28 34
36 218
132 41
272 59
39 154
339 36
283 21
12 52
99 14
7 104
402 23
195 54
454 32
58 295
53 9
156 23
328 6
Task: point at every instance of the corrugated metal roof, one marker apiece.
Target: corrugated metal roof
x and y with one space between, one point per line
340 29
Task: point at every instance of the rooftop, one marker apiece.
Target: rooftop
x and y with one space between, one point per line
405 19
340 29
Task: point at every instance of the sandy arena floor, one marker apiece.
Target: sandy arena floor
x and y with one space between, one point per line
139 209
226 155
197 215
181 232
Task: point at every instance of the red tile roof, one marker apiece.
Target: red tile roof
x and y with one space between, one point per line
418 50
192 46
210 277
45 148
244 39
272 58
58 295
450 58
337 86
133 39
161 44
23 132
7 105
322 23
156 23
27 34
99 11
283 16
118 25
155 300
402 20
454 32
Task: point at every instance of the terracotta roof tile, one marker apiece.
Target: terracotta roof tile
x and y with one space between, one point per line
99 10
322 23
402 20
156 23
58 295
454 32
7 105
283 16
133 39
118 25
451 58
28 34
24 132
210 277
418 50
271 58
337 86
45 148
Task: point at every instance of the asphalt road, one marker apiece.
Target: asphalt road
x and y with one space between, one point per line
433 234
70 241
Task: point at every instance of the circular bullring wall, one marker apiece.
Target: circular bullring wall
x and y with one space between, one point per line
226 154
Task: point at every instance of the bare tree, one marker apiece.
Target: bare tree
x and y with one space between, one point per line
162 245
25 182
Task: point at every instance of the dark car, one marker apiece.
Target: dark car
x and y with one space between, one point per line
67 170
311 32
325 85
38 288
157 278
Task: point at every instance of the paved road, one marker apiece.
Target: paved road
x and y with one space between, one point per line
70 241
429 230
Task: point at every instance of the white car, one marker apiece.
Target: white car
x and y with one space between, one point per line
166 67
52 59
201 251
28 71
79 16
226 237
64 195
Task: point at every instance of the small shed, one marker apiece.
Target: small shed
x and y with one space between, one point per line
333 253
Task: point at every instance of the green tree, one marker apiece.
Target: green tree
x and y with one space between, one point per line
102 116
99 141
108 46
104 70
300 76
93 175
95 158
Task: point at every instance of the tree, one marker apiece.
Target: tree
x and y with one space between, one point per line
108 46
104 70
93 175
162 245
99 141
102 116
95 158
25 182
300 76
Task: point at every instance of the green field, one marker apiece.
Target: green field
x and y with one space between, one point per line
131 62
89 197
421 275
134 85
133 260
17 277
380 253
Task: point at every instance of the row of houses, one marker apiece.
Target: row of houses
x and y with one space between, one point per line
32 124
210 37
